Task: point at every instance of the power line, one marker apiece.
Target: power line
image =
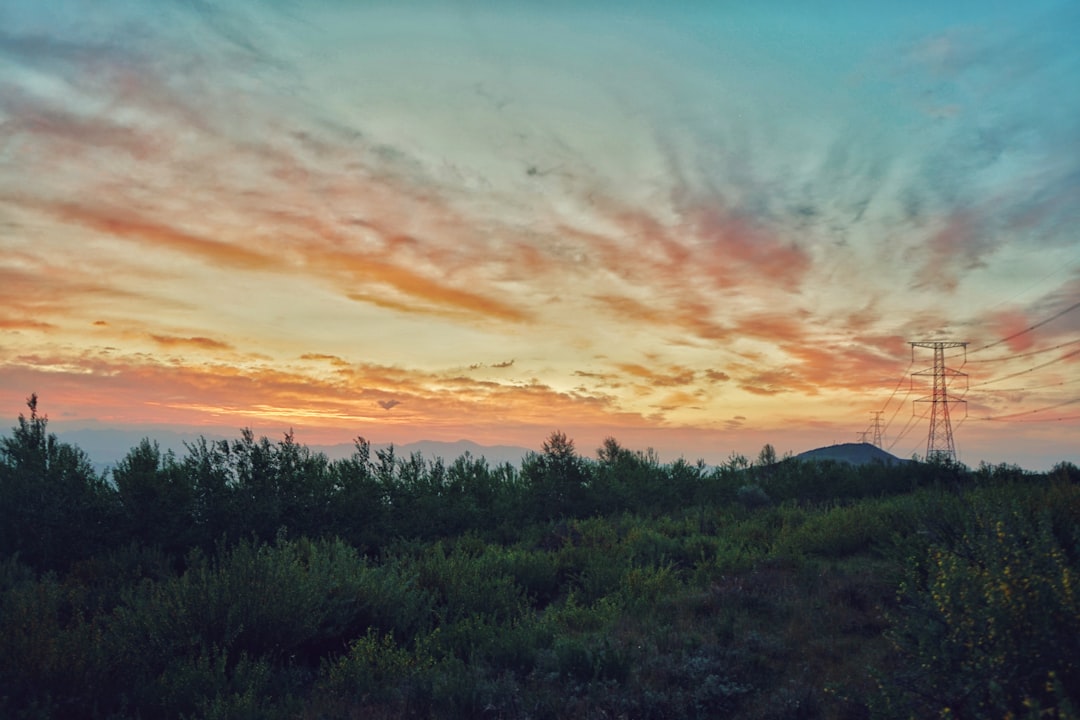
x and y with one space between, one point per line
1027 354
1028 329
896 411
898 384
1062 268
908 427
1033 412
1032 387
962 421
1064 418
1031 369
905 376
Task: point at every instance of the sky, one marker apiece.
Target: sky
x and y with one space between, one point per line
693 226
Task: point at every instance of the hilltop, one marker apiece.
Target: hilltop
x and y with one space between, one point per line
854 453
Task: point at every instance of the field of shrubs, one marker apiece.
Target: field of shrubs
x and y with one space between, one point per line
258 579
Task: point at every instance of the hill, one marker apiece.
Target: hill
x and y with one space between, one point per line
854 453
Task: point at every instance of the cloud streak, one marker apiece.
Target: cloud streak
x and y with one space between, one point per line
238 211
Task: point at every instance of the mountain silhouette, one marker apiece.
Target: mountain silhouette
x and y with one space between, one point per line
854 453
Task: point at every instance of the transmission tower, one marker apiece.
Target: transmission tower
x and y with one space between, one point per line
877 428
939 441
874 431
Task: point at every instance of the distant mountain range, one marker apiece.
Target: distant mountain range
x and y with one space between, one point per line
431 449
854 453
106 447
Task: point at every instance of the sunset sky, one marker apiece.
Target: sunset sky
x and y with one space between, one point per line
696 226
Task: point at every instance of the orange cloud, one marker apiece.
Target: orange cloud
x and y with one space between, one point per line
790 327
138 389
332 359
202 343
44 295
124 223
737 250
365 269
956 247
675 376
634 310
24 324
1010 324
769 382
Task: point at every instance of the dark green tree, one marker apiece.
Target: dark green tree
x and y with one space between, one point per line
627 479
157 497
359 512
558 479
208 470
54 508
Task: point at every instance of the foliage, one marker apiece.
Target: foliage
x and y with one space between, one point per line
991 613
54 509
254 578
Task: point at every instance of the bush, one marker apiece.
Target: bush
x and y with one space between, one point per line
214 686
50 659
991 619
752 496
379 671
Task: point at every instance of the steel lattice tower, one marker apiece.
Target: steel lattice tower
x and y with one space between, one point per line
877 427
939 441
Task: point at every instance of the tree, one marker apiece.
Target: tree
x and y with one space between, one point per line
359 510
157 497
767 456
207 466
557 478
54 508
630 480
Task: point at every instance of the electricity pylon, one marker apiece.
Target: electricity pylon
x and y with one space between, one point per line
874 430
939 441
877 428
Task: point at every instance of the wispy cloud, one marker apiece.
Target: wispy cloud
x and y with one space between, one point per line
196 342
201 217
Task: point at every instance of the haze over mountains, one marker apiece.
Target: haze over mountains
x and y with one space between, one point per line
107 446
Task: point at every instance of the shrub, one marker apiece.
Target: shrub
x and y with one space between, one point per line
214 686
752 496
49 659
464 585
839 531
990 618
254 609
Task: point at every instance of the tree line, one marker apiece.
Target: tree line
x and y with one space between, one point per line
56 509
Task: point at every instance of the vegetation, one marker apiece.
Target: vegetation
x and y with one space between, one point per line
254 579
